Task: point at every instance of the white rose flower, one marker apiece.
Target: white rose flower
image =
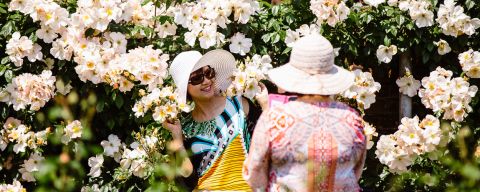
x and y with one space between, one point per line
392 2
385 147
374 3
423 18
292 37
408 85
342 11
369 132
470 62
46 34
240 44
208 37
111 146
71 131
26 7
26 176
119 42
21 143
443 47
18 47
34 90
400 163
385 54
33 163
29 166
166 29
95 164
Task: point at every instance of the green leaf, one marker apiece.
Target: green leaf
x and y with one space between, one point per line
111 123
5 60
425 57
9 76
100 106
7 29
400 20
430 47
3 68
15 17
266 37
393 31
471 171
61 63
275 10
30 30
368 19
289 19
386 41
276 38
163 19
286 51
390 12
119 102
410 26
2 10
469 4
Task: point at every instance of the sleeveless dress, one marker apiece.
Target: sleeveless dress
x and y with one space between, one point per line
219 147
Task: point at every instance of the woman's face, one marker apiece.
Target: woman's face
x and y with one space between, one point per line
201 83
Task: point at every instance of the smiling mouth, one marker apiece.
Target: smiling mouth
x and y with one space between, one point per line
207 89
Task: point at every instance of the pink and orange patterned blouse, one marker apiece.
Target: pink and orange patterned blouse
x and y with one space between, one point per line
307 147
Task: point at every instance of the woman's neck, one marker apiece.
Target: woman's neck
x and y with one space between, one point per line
208 109
315 98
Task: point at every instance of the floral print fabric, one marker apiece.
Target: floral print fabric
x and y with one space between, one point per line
307 147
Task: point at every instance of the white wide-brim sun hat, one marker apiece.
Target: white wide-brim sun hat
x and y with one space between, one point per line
187 62
311 69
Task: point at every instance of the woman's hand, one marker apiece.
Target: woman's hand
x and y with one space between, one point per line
186 169
175 128
262 97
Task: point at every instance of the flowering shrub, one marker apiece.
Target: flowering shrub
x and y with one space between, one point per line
165 105
408 85
28 89
363 90
84 84
444 94
413 138
247 76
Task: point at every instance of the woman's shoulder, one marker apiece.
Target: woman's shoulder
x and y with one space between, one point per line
298 107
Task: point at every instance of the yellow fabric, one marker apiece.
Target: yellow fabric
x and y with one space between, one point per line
226 172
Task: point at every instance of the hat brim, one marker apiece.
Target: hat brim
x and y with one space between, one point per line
180 69
291 79
224 64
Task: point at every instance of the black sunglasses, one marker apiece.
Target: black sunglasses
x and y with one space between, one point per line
199 75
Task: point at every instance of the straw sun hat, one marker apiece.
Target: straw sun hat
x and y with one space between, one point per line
311 69
187 62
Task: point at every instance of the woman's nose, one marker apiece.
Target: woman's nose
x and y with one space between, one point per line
207 81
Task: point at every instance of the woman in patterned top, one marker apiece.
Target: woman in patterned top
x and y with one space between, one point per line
218 130
313 143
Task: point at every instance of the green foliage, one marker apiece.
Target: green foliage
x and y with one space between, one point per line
105 111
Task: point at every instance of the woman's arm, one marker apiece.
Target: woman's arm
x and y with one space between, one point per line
360 140
360 163
256 166
261 98
176 145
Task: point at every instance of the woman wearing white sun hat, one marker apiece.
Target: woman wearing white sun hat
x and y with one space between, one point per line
313 143
219 128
